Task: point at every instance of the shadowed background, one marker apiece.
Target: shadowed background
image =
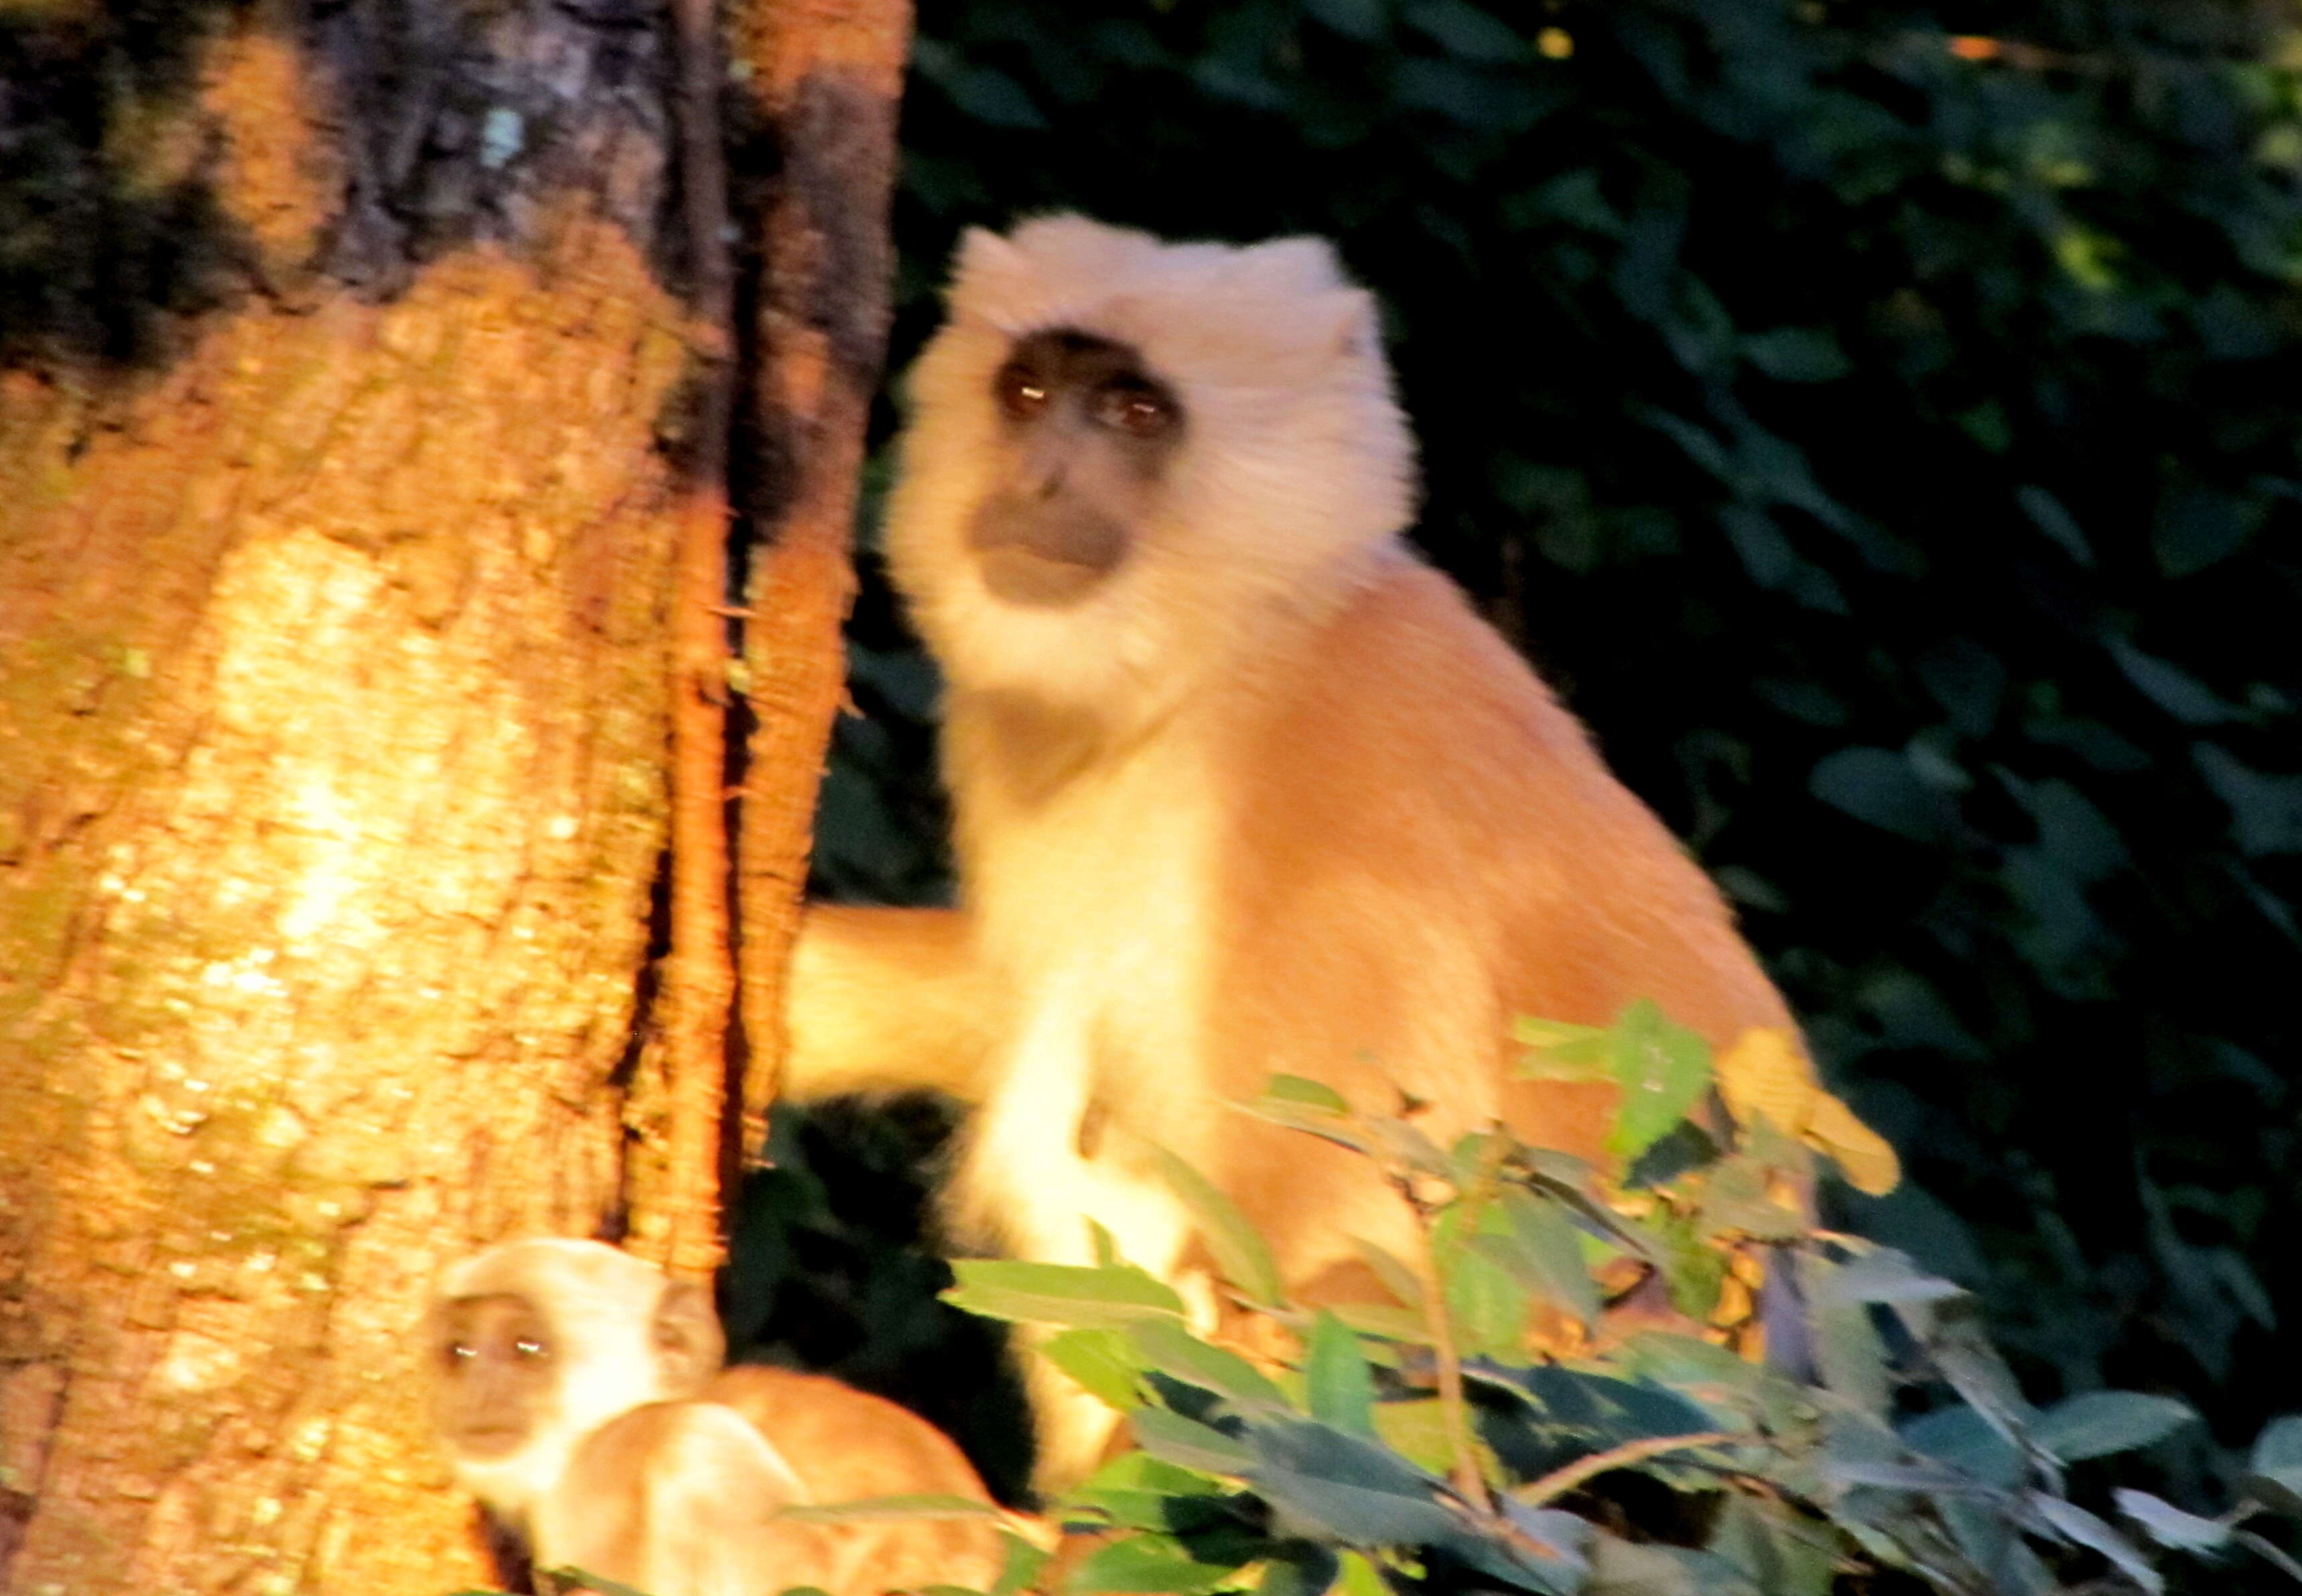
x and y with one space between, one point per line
1883 433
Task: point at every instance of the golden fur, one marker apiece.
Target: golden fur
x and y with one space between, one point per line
642 1461
1270 798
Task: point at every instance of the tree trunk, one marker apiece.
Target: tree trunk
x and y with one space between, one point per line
345 440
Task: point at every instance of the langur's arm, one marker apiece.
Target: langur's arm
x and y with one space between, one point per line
886 1000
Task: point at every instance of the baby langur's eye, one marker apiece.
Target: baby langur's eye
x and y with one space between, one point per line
528 1346
461 1351
1021 392
1134 408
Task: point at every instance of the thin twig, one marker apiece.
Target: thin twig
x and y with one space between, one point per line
1455 1413
2262 1548
1559 1481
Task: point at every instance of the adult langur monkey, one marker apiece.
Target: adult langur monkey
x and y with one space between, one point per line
579 1395
1240 785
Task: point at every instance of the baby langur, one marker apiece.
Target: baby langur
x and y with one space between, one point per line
1240 785
580 1396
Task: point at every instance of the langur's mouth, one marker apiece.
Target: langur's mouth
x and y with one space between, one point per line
486 1443
1046 552
1021 575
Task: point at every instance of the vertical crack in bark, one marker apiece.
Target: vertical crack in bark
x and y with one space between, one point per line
31 1403
700 977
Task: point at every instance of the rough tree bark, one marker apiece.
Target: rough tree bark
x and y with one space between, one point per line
825 76
337 619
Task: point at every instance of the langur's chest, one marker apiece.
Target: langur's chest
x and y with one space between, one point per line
1095 907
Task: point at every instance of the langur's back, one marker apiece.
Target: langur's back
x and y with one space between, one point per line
1423 827
847 1445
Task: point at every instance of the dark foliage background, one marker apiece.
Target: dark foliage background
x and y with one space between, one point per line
1885 437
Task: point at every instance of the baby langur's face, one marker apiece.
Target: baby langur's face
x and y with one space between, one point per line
1088 435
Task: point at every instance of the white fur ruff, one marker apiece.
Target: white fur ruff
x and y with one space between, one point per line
1295 458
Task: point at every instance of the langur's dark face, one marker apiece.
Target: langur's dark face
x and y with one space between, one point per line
1090 435
497 1374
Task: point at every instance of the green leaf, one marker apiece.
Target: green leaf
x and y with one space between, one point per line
1463 29
2168 1525
1240 1253
1486 1305
1102 1362
1621 1568
1301 1569
1962 1438
2266 811
1881 1275
1408 1147
1797 353
1108 1299
1397 1278
1780 1551
1732 1391
1137 1491
1734 1195
1020 1569
2277 1488
925 1506
1366 21
2047 514
1360 1577
1347 1487
1585 1411
1693 1269
574 1577
1852 1358
1175 1351
1535 1242
984 93
2098 1423
2279 1445
1149 1563
1310 1094
2075 1524
1172 1437
1663 1069
1564 1052
1385 1324
1333 1125
1880 787
2274 1466
1417 1431
1340 1386
2171 687
1950 1330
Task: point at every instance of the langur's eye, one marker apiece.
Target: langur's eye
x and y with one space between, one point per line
528 1346
1134 408
462 1351
1021 392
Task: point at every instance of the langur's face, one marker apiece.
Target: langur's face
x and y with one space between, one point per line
497 1371
1088 435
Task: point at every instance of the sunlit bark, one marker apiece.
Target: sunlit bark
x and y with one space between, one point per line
336 622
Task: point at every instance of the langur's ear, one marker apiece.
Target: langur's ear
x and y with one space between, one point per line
1354 323
984 255
1303 264
689 1344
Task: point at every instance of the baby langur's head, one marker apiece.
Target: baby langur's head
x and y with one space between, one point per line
1126 454
1086 433
535 1344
